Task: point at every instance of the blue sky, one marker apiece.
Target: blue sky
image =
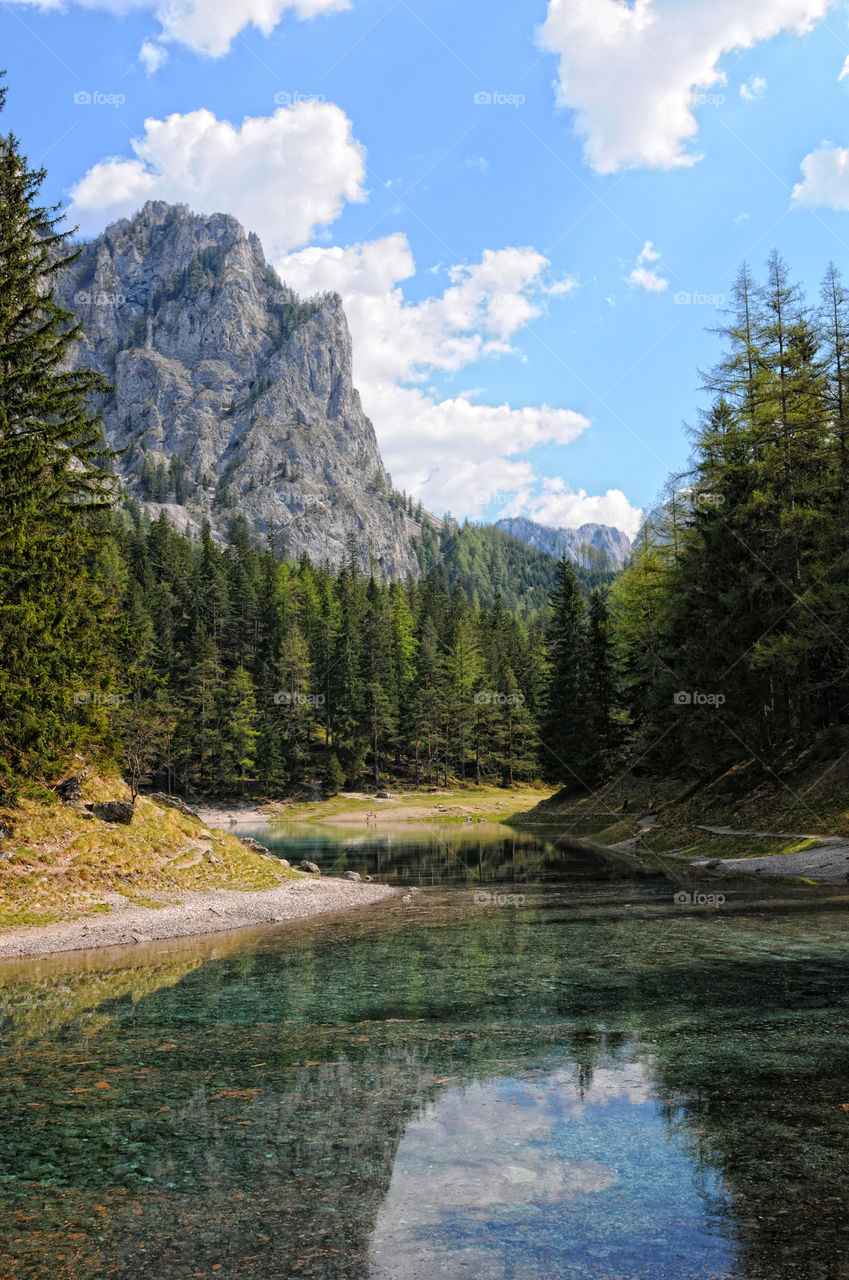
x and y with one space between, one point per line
511 199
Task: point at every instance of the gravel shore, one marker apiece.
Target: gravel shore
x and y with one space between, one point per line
828 864
197 913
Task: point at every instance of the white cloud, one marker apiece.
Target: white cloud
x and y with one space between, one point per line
152 56
560 506
633 73
845 70
206 26
648 253
642 276
754 87
825 179
281 176
454 454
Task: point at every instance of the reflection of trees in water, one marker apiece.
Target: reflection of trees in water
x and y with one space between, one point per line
265 1093
455 854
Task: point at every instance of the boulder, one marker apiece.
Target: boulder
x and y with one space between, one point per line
310 866
71 788
172 802
350 875
250 843
114 811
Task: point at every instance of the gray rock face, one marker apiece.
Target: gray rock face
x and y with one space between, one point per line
578 544
216 362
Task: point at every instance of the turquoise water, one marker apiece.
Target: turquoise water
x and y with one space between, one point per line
587 1081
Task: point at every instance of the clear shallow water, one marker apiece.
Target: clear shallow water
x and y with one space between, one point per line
596 1083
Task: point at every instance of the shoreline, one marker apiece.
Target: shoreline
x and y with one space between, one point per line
198 913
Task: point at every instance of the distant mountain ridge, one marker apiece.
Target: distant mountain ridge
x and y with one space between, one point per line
592 546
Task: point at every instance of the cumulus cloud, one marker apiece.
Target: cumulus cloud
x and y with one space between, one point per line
455 454
281 176
633 73
643 276
564 508
825 179
206 26
754 87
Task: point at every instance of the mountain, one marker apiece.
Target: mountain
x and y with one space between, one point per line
592 546
488 563
232 395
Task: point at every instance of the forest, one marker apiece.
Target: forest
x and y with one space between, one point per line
206 667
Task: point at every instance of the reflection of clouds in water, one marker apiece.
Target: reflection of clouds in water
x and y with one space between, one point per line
490 1147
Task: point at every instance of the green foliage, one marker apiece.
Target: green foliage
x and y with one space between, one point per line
731 620
489 563
55 610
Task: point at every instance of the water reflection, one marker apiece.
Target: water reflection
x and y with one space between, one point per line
595 1084
536 1176
442 854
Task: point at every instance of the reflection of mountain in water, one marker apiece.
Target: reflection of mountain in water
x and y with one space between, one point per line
270 1111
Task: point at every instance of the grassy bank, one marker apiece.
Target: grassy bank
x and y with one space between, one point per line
59 866
493 804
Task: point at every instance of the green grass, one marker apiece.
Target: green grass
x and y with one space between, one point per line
496 803
705 845
62 866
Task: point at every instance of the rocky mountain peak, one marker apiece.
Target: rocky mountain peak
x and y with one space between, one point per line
232 394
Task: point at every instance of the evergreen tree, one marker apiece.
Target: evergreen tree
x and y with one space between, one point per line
55 616
564 746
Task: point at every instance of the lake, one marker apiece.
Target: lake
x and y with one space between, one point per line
530 1065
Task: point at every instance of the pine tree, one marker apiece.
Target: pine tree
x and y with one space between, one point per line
563 738
54 482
